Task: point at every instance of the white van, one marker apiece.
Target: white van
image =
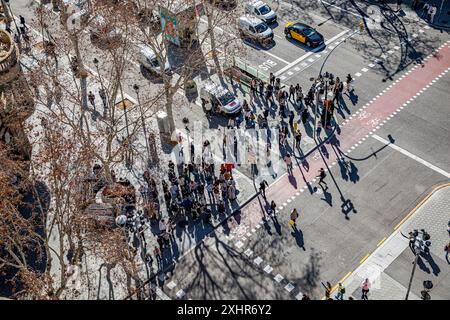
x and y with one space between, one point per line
148 59
255 29
261 10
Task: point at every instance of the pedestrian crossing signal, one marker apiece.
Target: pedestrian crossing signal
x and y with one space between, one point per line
361 27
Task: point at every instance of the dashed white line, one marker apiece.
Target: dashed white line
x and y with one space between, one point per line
412 156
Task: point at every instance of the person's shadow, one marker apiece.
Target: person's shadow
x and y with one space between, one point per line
328 198
298 235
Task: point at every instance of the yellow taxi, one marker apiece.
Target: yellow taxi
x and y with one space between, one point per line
303 33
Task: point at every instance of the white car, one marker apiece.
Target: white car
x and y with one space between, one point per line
148 59
261 10
220 98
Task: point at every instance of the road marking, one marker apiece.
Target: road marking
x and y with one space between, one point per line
171 285
278 278
412 156
382 240
420 203
257 261
268 269
364 259
289 287
358 74
290 65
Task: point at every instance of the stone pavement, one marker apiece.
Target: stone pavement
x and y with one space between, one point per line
389 266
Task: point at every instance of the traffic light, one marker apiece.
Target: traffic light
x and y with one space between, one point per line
361 27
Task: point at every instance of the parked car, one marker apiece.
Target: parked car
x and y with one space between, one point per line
303 33
149 60
220 98
261 10
255 29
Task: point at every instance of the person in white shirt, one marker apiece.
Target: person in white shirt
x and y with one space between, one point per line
162 226
433 13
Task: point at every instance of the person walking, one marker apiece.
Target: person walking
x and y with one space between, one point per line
349 83
322 176
292 92
433 13
365 288
272 79
298 139
157 253
91 98
447 251
273 207
293 218
288 161
261 88
305 115
262 188
340 292
291 119
399 5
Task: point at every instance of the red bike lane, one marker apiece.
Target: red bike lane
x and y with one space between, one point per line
391 101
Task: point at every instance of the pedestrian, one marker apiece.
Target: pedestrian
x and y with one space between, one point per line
294 216
322 176
149 259
349 85
306 297
157 253
91 98
425 9
102 94
305 116
433 13
341 292
273 207
277 85
272 79
291 92
231 192
162 226
262 188
448 228
288 161
298 138
365 287
291 119
399 5
22 21
447 251
261 87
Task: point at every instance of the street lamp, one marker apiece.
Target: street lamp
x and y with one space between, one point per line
136 89
419 242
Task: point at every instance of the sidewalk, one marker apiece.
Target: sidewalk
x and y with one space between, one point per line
389 267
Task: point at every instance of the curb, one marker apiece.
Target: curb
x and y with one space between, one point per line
417 204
